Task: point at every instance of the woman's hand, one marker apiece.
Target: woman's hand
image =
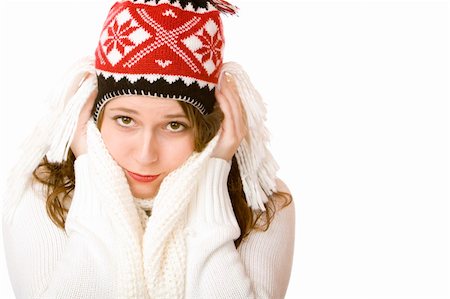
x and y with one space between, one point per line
79 142
234 125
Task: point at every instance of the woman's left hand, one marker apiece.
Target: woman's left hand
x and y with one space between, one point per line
234 125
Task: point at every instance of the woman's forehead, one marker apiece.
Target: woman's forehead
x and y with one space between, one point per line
144 103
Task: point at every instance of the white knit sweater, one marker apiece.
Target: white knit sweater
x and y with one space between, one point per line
114 250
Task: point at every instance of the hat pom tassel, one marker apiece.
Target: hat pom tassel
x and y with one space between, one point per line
225 7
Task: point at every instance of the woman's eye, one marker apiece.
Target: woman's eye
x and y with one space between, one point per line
175 126
124 121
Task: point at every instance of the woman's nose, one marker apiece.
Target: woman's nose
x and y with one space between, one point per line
147 149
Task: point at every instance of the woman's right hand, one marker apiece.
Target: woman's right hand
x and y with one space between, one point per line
79 142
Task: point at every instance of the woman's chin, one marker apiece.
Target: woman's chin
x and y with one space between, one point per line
143 195
143 191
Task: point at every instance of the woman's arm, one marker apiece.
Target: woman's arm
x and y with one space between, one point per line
215 269
46 262
267 256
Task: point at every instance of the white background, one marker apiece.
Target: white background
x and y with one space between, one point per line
357 93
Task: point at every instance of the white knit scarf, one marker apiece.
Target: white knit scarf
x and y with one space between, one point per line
163 244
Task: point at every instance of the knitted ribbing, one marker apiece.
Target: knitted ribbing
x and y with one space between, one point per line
144 208
118 198
164 245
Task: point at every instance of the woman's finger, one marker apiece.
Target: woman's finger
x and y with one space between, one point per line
232 97
227 123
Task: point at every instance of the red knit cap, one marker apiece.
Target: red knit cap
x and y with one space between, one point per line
171 49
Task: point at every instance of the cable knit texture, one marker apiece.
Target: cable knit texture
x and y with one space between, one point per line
164 249
118 198
164 244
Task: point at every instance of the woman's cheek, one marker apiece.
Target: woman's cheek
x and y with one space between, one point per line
177 150
116 144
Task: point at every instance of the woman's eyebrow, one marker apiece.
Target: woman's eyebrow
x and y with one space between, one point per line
125 110
175 115
131 111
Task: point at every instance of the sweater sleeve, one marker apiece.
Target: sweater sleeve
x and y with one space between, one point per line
46 262
215 268
267 255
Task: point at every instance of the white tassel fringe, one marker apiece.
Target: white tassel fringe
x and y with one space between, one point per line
80 86
256 164
54 132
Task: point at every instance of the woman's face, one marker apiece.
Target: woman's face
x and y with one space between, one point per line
148 137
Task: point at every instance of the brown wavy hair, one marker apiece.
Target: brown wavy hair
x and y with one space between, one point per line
59 178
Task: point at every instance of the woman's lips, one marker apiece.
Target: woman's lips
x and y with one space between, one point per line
142 178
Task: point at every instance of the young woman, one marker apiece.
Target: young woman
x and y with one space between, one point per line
151 179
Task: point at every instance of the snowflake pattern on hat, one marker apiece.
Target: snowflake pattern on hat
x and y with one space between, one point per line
162 49
122 36
206 45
